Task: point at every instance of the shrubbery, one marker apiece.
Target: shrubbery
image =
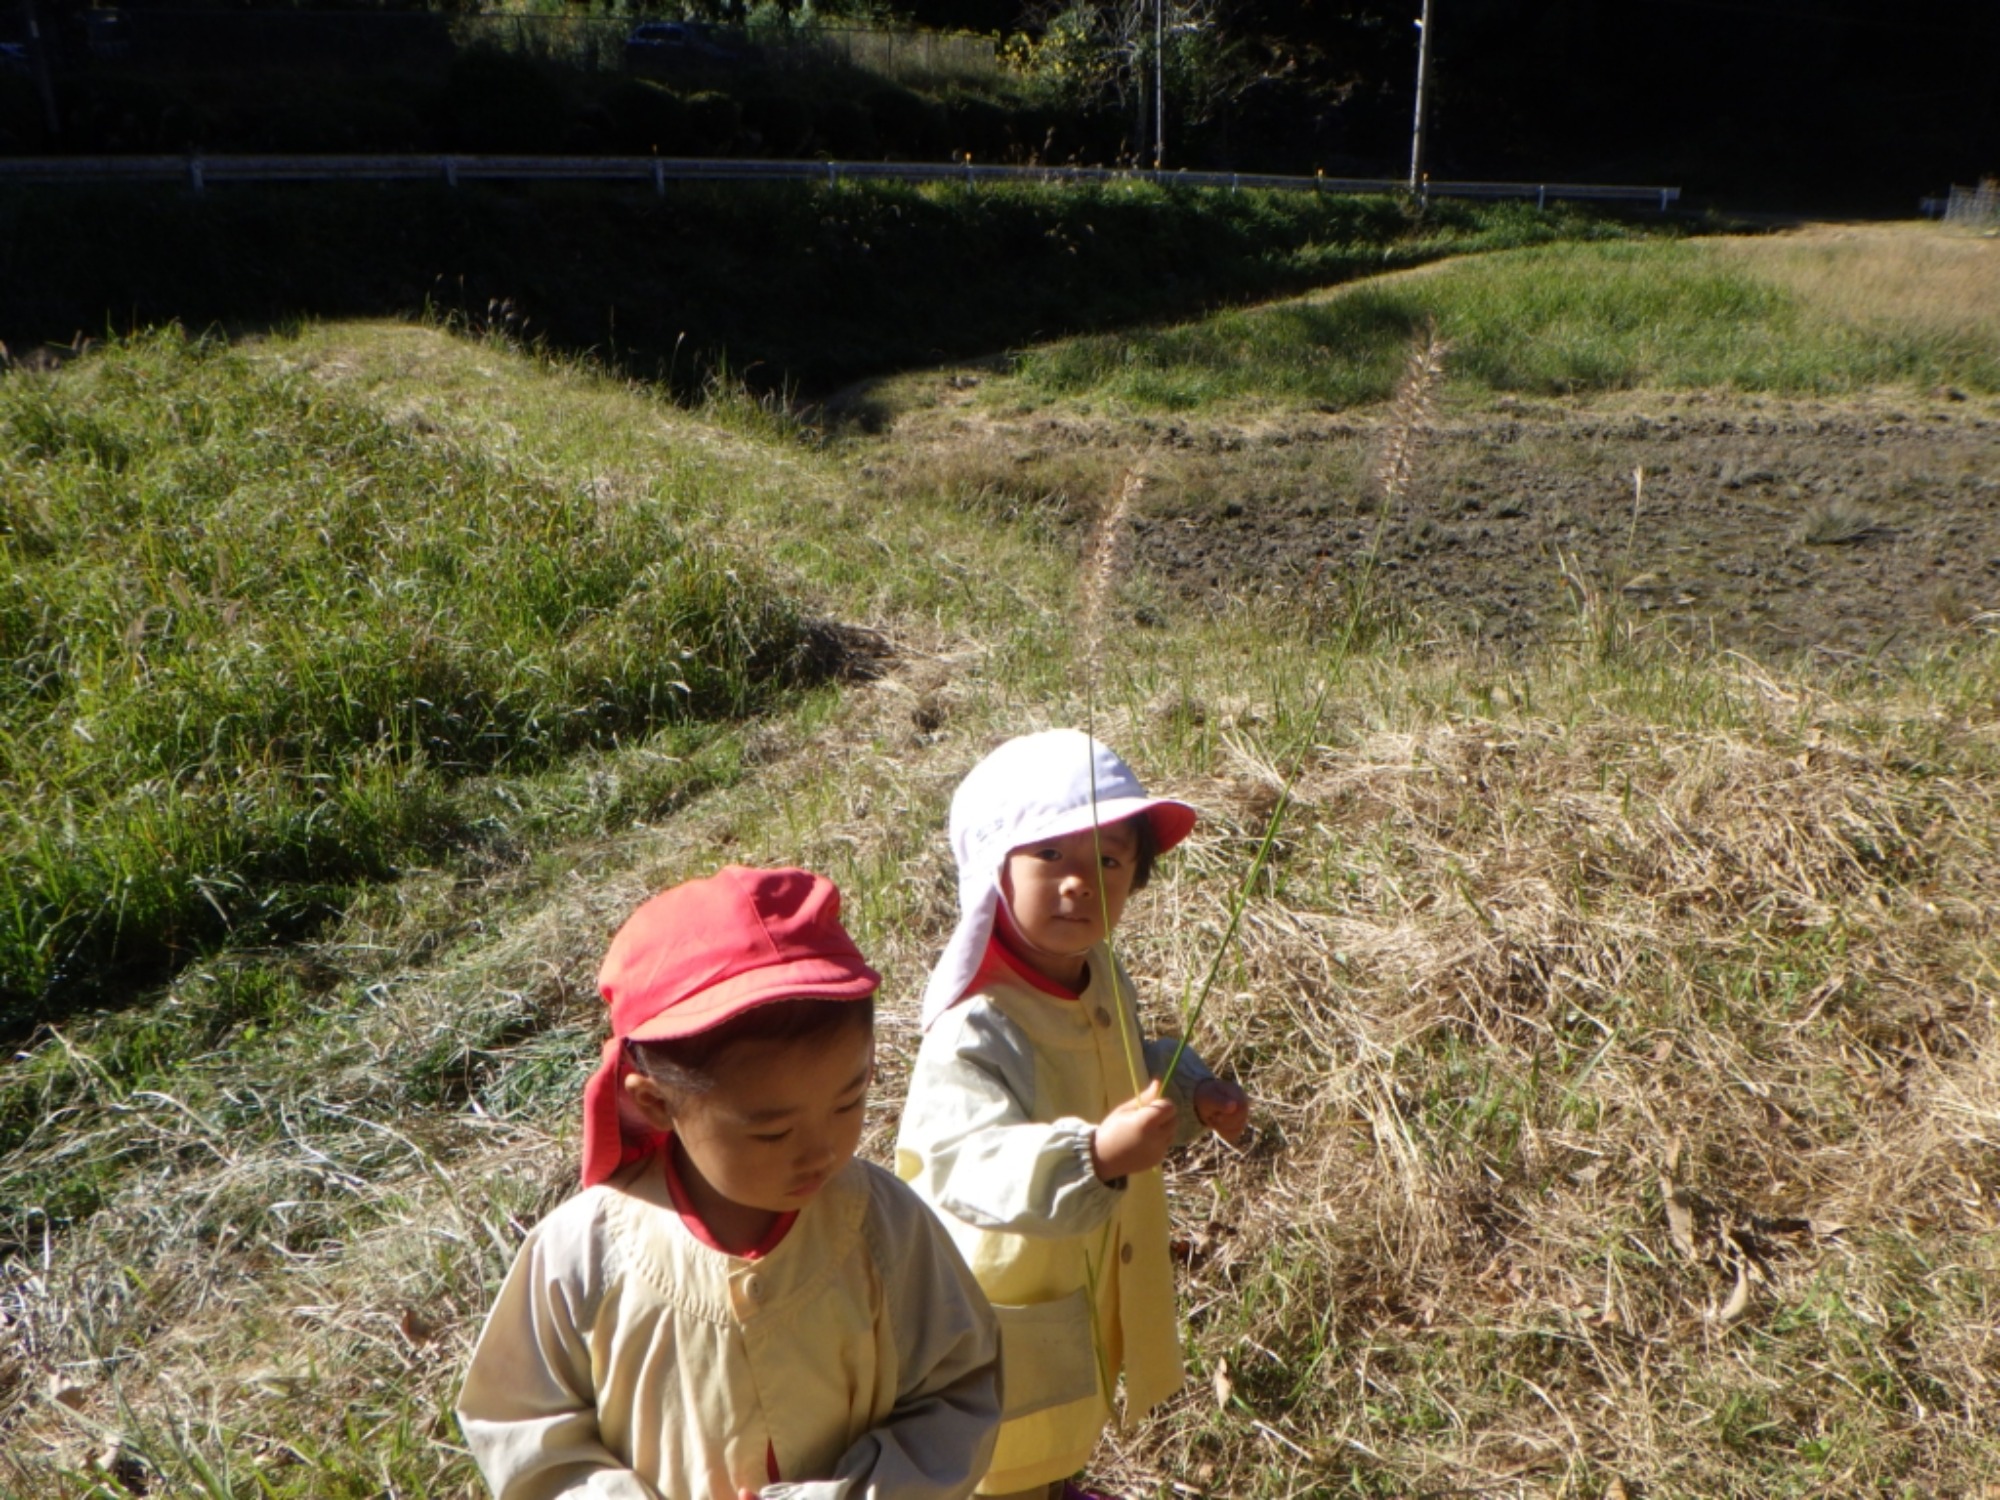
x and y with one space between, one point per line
501 101
647 118
713 122
492 99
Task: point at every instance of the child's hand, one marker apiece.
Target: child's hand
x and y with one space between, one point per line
1222 1107
1134 1136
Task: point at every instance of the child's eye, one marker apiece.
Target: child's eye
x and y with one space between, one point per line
772 1138
848 1109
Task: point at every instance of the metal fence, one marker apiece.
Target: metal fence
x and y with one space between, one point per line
201 172
1974 205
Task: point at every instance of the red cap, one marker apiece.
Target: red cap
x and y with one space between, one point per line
696 955
701 954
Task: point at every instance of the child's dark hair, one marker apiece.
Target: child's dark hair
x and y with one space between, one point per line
1148 840
686 1065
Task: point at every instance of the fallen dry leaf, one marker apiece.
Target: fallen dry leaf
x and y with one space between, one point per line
1680 1217
417 1328
1739 1299
1224 1386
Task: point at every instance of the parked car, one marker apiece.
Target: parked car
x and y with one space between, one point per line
659 45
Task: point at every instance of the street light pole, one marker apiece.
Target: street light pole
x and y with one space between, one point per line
1423 77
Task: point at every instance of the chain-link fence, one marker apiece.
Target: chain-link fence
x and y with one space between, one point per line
1975 205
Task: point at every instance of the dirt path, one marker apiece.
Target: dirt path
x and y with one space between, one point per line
1771 526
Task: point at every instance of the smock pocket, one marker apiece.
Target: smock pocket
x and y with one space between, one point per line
1047 1357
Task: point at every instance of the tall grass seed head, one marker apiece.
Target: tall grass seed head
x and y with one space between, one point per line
1102 563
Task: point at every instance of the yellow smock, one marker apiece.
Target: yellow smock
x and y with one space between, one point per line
624 1359
1007 1089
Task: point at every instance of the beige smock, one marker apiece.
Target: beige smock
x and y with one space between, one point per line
626 1358
1007 1089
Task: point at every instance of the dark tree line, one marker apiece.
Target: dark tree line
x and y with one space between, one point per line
1834 103
1858 104
1826 105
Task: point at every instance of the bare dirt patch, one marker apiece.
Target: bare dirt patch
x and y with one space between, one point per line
1861 526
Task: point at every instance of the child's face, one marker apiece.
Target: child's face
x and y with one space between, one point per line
781 1118
1065 894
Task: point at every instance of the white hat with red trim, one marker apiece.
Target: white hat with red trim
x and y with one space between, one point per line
1038 786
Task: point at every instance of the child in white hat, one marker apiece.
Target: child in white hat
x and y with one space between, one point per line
1031 1126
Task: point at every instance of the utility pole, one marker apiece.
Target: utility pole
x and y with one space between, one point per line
38 47
1160 84
1141 116
1423 77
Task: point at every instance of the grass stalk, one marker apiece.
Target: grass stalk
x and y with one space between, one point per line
1100 580
1411 412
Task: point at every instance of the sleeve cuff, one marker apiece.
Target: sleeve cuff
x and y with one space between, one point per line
1189 1075
1084 1142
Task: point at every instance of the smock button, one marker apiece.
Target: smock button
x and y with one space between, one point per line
1103 1016
1125 1252
753 1287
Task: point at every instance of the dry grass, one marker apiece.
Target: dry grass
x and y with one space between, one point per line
1927 276
1634 1111
1621 1025
1045 471
1515 969
1835 523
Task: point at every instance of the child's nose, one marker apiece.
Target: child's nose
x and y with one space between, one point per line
816 1151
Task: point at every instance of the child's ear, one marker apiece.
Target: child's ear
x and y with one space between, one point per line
650 1100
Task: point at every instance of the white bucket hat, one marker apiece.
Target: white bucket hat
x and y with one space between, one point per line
1039 786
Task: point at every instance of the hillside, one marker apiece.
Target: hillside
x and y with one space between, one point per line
796 289
1618 1001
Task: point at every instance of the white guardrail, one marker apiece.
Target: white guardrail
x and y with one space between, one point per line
200 172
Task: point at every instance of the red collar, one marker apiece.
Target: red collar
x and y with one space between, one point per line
684 1206
1001 962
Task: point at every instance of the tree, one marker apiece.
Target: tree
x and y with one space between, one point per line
1113 54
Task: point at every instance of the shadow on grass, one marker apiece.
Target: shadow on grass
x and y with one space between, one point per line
797 287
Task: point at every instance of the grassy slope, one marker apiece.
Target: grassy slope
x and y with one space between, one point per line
1824 313
1555 952
264 641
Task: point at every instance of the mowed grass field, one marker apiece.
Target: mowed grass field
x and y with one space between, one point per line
1620 1015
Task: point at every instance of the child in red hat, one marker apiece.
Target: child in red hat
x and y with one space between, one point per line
734 1305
